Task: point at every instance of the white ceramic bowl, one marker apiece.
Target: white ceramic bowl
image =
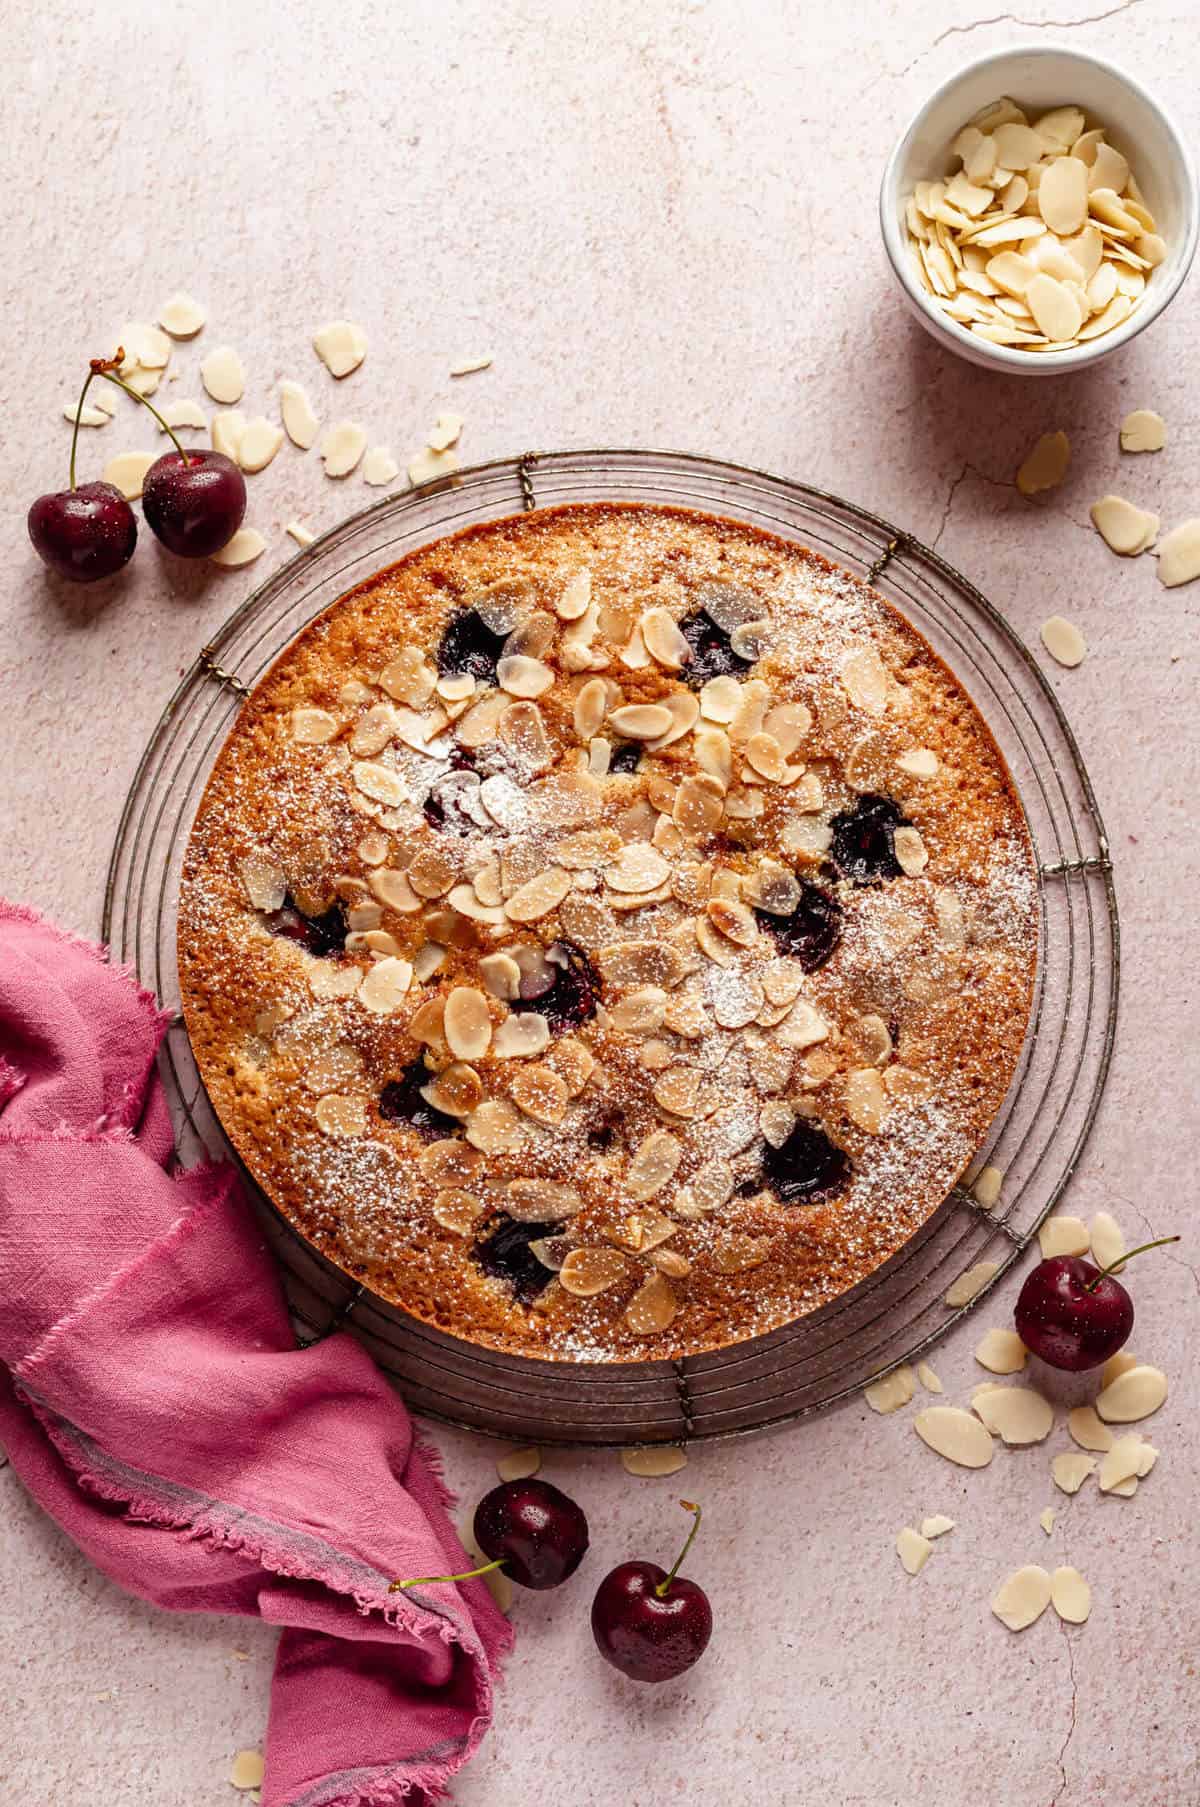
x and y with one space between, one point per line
1038 77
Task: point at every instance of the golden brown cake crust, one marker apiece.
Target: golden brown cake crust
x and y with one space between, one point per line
739 1045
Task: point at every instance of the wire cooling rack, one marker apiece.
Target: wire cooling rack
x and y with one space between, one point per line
1042 1127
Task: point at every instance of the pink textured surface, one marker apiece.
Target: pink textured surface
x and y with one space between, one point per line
660 217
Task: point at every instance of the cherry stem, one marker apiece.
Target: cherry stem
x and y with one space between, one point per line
87 381
110 376
662 1587
1113 1267
398 1587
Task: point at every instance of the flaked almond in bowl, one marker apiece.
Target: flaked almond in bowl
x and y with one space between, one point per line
1039 211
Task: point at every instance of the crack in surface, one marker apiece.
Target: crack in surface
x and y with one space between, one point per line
1012 19
1065 1746
968 470
1169 1254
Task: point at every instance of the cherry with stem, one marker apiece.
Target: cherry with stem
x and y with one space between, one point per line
1117 1266
87 531
1075 1315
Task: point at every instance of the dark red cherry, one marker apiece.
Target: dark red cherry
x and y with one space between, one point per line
320 935
469 644
573 992
712 654
532 1528
194 501
1071 1314
402 1101
813 930
864 839
651 1623
506 1255
626 758
806 1165
84 534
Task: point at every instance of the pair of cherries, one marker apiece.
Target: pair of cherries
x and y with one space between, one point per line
194 502
648 1622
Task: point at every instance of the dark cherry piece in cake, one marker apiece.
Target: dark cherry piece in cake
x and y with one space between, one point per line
712 654
626 757
812 931
864 838
572 996
401 1102
468 644
806 1165
320 935
507 1256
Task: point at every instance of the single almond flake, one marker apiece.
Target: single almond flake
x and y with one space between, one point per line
1055 308
225 430
223 375
1063 1236
913 1549
1070 1596
1107 1240
89 415
1023 1598
312 727
1071 1469
127 472
1062 195
987 1184
379 467
248 1770
467 1023
427 466
654 1461
1046 1519
385 985
1046 465
1179 554
1120 1463
246 545
892 1392
341 346
1063 641
929 1381
468 366
518 1464
965 1288
1143 431
181 316
1016 1414
1001 1352
259 443
1087 1429
302 534
1134 1395
298 417
446 431
1120 1363
1121 525
181 412
955 1434
338 1116
1147 1458
937 1525
342 447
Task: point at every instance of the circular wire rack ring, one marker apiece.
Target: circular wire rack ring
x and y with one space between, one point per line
1036 1139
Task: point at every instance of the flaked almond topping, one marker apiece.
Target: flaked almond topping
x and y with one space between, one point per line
374 848
684 712
457 1090
393 889
637 868
495 1128
466 900
539 896
911 854
1017 1414
263 880
641 721
776 1120
699 805
640 962
488 888
1064 1236
803 1027
575 597
456 1210
749 639
408 678
586 1272
865 681
773 888
686 1013
733 920
541 1093
663 640
955 1434
655 1056
467 1023
653 1165
1001 1352
481 722
340 1116
866 1100
364 916
430 873
678 1091
337 1066
427 960
918 762
385 986
720 699
380 782
713 755
746 805
574 1062
1023 1598
738 1254
591 706
451 1161
640 1011
599 756
326 979
520 1036
764 755
652 1307
874 1038
789 724
524 676
373 730
501 974
655 1462
538 1200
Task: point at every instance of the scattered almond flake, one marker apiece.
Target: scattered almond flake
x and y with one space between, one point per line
1001 1352
1071 1469
1023 1598
1136 1394
518 1464
654 1461
1063 641
892 1392
1016 1414
445 432
1120 1463
226 432
1070 1596
1063 1236
937 1526
223 375
1121 525
1147 1458
427 465
1143 431
341 346
302 534
298 416
1046 465
910 851
259 443
183 413
955 1434
181 316
90 415
986 1186
1046 1519
913 1550
248 1770
342 447
1120 1363
379 467
468 366
1179 554
964 1289
127 471
1107 1240
245 546
146 345
144 382
1087 1430
930 1382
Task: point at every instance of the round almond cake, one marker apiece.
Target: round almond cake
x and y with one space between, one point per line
608 933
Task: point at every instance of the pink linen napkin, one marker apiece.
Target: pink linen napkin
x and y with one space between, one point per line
152 1399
